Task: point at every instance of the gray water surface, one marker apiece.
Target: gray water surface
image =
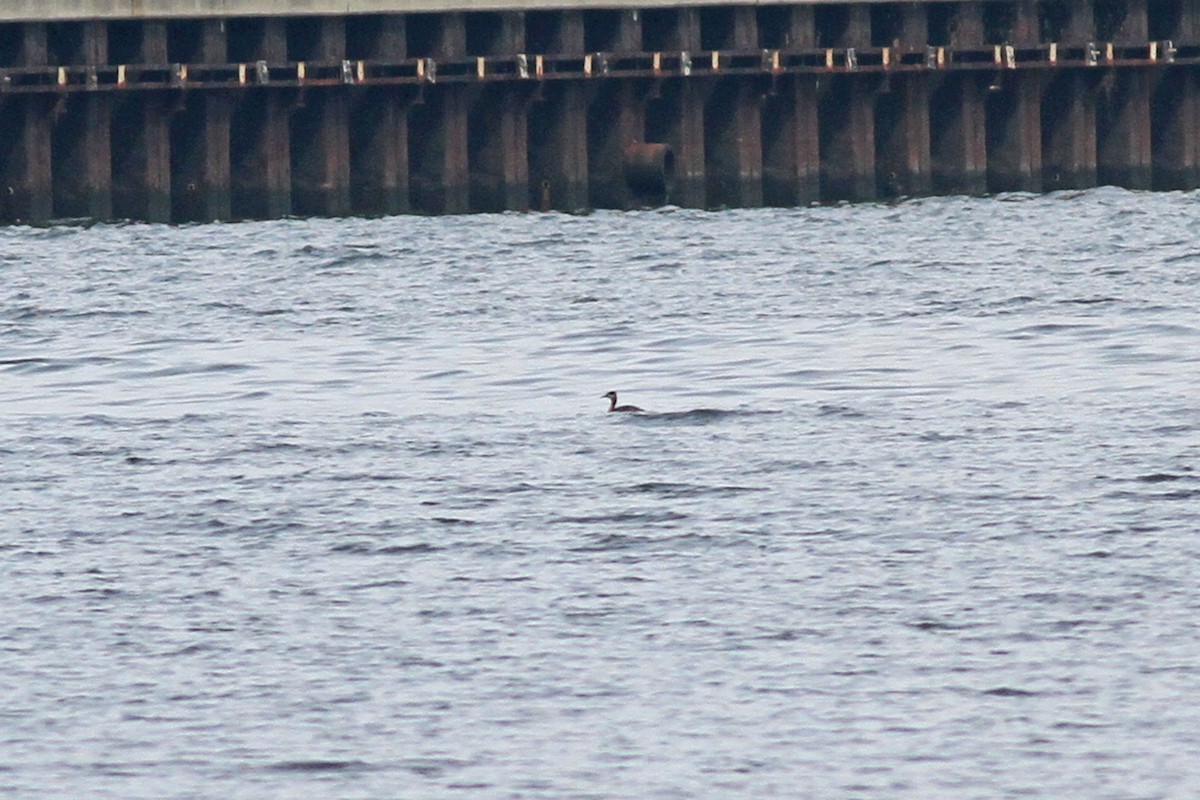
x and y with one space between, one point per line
334 509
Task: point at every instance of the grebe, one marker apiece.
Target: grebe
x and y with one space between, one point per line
612 404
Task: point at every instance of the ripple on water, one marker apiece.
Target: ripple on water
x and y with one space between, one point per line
336 504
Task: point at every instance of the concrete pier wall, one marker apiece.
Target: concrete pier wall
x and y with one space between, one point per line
183 110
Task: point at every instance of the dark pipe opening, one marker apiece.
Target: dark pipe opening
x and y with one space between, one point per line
649 167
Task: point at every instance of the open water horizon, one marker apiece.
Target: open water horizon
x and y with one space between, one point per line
332 508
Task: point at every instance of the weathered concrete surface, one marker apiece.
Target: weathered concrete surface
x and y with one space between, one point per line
57 10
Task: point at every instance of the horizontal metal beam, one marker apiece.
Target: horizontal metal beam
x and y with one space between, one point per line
63 10
996 60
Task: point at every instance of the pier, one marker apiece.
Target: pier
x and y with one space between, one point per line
199 110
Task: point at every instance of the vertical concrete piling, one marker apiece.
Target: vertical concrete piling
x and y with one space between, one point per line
846 106
791 135
676 114
498 140
791 144
1069 135
141 142
733 119
846 115
903 147
82 138
616 114
438 122
1069 109
261 159
958 121
1176 154
378 141
614 123
1123 129
200 137
1176 109
25 133
319 123
557 121
1014 104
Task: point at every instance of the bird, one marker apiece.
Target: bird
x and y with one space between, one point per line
612 404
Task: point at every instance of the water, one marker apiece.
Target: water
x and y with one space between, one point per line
334 509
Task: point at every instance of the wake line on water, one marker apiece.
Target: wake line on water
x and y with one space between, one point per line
697 416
